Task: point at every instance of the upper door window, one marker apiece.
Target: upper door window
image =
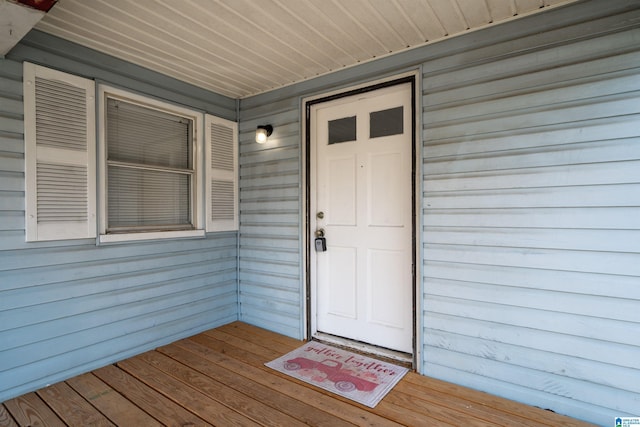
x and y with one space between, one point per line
386 122
342 130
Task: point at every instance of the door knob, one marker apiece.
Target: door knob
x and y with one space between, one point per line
320 232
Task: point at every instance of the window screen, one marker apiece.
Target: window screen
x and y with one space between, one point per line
149 168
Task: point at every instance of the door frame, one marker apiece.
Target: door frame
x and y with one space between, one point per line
308 308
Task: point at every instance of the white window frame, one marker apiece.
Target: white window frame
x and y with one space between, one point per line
104 92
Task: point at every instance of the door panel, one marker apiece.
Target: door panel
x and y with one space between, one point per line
361 157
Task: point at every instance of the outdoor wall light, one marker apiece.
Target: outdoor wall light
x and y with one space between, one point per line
262 133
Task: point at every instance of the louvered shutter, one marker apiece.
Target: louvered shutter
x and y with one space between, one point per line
221 148
59 135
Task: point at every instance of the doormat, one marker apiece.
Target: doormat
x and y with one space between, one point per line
356 377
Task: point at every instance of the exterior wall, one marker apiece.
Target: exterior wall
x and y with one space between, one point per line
532 222
270 250
70 306
530 209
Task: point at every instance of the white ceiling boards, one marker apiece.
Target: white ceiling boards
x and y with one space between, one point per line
242 48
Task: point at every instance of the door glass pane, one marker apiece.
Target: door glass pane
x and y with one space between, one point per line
386 122
342 130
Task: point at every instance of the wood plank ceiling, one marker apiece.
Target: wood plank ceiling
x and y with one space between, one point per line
241 48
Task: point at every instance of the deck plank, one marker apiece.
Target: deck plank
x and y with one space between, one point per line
151 401
6 420
218 378
209 348
71 407
189 398
256 355
30 410
225 395
245 383
111 403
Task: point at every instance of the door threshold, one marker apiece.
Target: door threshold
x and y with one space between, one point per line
398 357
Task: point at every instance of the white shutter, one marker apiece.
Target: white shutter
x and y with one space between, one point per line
60 175
221 157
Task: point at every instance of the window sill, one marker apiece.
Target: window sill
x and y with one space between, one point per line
160 235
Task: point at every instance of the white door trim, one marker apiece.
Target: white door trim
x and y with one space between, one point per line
308 268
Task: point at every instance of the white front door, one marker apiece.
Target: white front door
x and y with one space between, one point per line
361 187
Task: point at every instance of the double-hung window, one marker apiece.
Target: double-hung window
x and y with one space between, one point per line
157 170
150 179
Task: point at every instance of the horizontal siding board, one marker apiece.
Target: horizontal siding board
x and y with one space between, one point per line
267 168
521 393
271 304
11 142
283 290
284 243
264 205
556 364
529 81
11 180
43 257
623 218
11 163
15 240
271 254
271 181
81 325
256 278
11 201
276 321
546 176
605 352
539 98
617 195
270 155
47 307
551 259
559 300
267 266
11 123
617 287
271 217
12 107
606 330
556 114
35 276
597 153
11 220
588 39
64 365
10 86
558 385
607 240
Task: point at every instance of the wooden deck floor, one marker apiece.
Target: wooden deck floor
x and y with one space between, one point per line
218 378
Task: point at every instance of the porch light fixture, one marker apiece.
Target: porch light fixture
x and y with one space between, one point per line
262 133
